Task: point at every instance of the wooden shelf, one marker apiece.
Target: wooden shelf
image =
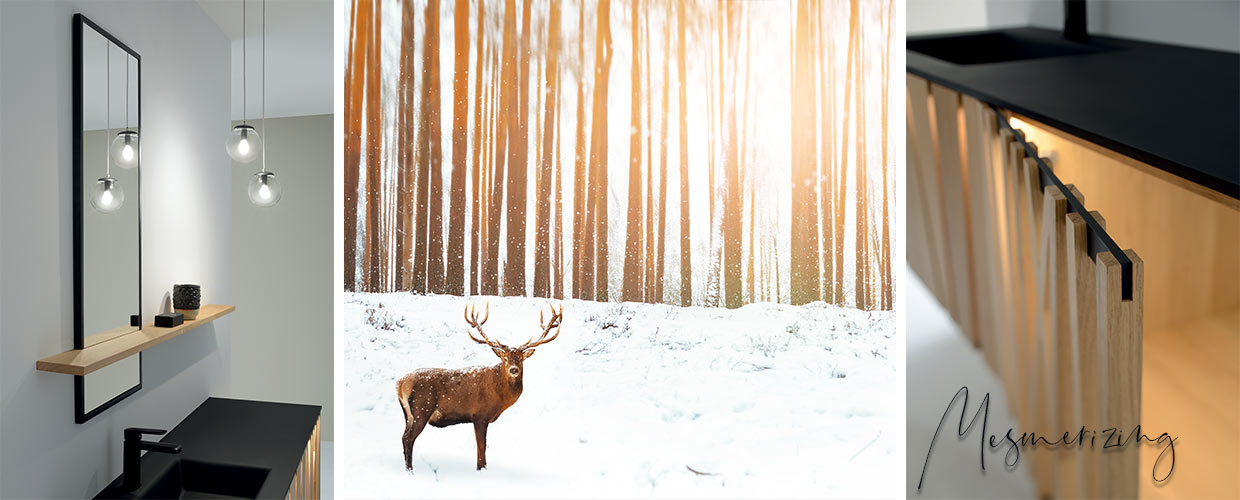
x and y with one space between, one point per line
108 347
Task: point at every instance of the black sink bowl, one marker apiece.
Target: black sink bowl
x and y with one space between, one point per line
998 46
197 479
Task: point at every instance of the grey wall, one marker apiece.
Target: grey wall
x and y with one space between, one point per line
282 270
1210 24
186 212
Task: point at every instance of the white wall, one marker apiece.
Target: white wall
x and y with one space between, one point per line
186 238
1210 24
282 270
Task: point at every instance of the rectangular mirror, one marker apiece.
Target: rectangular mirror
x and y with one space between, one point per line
107 255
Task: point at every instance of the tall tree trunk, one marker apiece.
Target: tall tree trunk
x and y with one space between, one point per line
598 150
861 269
404 143
732 216
542 250
648 132
805 273
353 105
885 261
374 131
505 116
828 162
421 225
514 266
434 238
841 187
454 281
475 217
580 263
661 233
686 269
633 272
557 210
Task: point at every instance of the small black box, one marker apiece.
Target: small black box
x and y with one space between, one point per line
135 320
169 320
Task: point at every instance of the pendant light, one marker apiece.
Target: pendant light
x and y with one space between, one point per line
107 196
263 189
244 144
125 145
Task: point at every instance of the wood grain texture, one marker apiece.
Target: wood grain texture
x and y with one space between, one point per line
116 348
978 138
927 182
1119 329
955 188
306 483
1082 280
1191 241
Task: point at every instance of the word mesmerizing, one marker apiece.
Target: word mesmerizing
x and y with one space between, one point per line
1111 438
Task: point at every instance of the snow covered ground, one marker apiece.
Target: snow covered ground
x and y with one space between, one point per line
767 400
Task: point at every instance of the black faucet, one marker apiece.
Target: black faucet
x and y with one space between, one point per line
133 454
1074 27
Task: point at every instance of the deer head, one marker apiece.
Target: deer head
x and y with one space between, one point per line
511 358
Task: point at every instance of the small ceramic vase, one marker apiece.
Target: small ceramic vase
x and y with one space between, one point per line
185 299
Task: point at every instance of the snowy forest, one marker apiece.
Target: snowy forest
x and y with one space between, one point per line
713 153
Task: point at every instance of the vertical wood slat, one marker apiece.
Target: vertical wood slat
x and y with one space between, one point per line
978 137
954 187
1082 307
1014 319
306 482
1064 353
1054 208
1120 336
926 182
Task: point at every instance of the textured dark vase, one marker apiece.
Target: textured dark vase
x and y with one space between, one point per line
186 300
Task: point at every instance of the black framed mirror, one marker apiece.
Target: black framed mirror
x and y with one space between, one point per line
107 225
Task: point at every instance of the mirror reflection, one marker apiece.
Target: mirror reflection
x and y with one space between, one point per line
108 237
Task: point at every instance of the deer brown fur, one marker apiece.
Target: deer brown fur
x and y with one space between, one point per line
443 396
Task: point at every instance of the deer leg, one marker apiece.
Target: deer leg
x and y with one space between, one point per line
480 433
412 429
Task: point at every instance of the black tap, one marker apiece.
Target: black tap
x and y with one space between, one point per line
133 454
1074 26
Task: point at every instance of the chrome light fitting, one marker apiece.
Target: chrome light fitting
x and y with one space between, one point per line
263 188
125 145
244 144
107 196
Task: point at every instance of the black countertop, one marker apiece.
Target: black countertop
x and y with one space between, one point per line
258 434
1175 108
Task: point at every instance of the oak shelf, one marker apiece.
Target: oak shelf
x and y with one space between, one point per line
106 348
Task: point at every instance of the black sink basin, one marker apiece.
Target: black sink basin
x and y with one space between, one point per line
998 46
197 479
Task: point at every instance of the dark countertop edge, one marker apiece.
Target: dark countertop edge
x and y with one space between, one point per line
155 464
1208 181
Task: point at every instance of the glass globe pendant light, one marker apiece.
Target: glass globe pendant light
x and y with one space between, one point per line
244 144
263 188
107 196
125 145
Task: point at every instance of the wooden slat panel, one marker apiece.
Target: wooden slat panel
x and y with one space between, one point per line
1045 460
978 137
1119 331
925 180
955 186
1063 351
1083 311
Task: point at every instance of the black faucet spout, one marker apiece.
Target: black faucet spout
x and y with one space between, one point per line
134 445
1074 21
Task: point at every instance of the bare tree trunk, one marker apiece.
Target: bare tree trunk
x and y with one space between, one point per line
885 261
354 101
514 266
648 132
580 263
374 128
475 217
862 248
557 260
805 273
841 187
505 115
661 233
598 150
686 269
732 215
828 162
454 282
542 252
633 272
434 238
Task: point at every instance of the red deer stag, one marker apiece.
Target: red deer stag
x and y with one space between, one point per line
443 397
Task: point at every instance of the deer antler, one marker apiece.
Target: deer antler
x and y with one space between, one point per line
471 317
553 323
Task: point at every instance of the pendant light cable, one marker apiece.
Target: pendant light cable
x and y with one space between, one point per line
243 80
263 88
107 126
